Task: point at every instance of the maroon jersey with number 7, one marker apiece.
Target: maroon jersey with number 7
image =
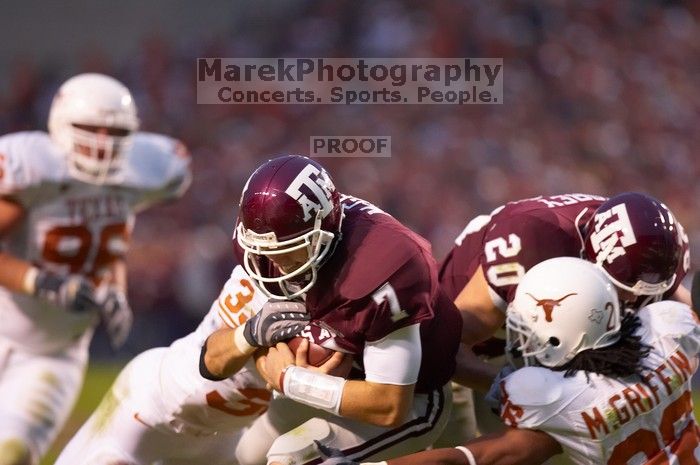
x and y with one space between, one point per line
382 277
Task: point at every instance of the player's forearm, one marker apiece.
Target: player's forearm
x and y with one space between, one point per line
682 294
378 404
510 447
14 274
473 372
221 357
13 270
431 457
481 317
513 446
484 453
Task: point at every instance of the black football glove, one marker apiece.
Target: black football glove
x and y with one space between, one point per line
275 322
333 456
74 292
116 315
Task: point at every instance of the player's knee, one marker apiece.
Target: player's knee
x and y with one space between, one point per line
297 446
15 452
254 444
249 455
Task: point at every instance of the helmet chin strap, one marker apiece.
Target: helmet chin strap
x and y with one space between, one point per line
579 231
650 299
292 290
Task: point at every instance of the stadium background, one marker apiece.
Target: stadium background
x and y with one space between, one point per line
600 97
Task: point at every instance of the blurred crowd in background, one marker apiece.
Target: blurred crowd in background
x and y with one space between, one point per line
600 97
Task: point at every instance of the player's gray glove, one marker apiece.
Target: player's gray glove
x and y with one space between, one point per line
493 397
75 293
275 322
116 315
333 456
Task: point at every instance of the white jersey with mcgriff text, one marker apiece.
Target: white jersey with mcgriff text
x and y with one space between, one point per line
634 421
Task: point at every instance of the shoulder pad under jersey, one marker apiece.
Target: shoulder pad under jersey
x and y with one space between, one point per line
29 159
239 299
532 395
157 165
672 321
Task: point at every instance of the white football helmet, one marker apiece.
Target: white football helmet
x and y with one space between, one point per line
92 118
562 307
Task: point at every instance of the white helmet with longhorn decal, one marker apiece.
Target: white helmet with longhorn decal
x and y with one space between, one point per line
562 307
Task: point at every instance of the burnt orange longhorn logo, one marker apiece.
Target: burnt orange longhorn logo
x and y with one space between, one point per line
549 304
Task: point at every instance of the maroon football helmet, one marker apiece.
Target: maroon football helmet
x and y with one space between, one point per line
288 204
637 241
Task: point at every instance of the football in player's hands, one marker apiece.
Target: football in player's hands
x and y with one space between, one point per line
317 355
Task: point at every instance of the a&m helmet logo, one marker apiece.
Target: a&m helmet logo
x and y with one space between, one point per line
319 184
612 232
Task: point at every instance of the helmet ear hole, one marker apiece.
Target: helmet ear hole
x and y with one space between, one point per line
554 341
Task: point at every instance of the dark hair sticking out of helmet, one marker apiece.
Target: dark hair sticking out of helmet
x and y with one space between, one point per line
620 360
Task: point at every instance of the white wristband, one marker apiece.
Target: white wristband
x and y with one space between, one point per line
468 453
240 342
29 280
313 388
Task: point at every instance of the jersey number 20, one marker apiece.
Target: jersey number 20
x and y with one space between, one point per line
504 274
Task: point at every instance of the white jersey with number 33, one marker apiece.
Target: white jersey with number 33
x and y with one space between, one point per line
633 421
74 227
227 405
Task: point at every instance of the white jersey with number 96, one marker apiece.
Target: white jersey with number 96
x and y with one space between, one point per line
74 227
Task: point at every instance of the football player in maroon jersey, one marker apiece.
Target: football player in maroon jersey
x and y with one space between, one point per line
641 247
370 287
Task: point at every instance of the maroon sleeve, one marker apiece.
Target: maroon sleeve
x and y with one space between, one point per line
516 243
460 264
404 299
